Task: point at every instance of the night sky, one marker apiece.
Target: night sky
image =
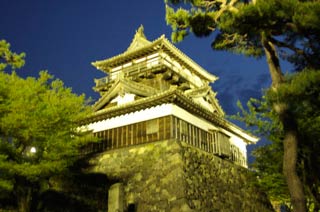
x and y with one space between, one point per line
65 36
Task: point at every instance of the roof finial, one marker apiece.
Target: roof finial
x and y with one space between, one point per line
140 31
139 40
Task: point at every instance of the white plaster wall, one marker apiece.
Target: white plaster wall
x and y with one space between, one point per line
161 111
126 98
130 118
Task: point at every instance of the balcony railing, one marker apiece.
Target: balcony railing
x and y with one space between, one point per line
135 69
102 81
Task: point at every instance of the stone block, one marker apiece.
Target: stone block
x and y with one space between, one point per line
116 198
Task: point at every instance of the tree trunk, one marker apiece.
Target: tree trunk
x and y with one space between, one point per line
24 199
23 192
290 142
290 145
273 63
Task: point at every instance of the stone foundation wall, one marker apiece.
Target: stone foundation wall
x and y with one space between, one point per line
214 184
170 176
152 175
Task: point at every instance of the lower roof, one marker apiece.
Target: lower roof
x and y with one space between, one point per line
175 97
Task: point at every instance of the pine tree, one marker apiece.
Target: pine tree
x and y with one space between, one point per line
301 92
270 28
39 130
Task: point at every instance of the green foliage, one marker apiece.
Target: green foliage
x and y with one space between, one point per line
203 18
291 25
8 58
39 130
202 24
301 92
288 29
238 44
37 112
178 20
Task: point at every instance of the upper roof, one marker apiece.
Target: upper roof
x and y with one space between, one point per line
140 46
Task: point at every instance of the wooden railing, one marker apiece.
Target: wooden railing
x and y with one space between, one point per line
136 69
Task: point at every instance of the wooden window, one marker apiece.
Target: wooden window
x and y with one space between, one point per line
208 141
105 144
197 138
143 131
167 127
124 136
152 126
184 127
224 144
212 142
174 127
189 134
161 128
135 133
129 138
119 140
178 129
183 130
232 150
204 141
110 139
215 146
105 139
139 133
115 138
171 127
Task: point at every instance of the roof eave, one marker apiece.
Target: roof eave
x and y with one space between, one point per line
249 138
210 77
106 64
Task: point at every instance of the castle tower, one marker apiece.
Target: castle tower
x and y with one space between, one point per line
163 132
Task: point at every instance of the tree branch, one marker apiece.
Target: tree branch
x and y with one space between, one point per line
223 5
286 45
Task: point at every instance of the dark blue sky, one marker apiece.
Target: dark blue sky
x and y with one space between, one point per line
65 36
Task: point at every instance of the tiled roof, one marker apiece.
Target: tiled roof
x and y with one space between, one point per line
140 47
175 97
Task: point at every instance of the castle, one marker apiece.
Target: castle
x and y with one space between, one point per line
166 141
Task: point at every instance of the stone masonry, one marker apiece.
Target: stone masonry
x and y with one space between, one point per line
171 176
